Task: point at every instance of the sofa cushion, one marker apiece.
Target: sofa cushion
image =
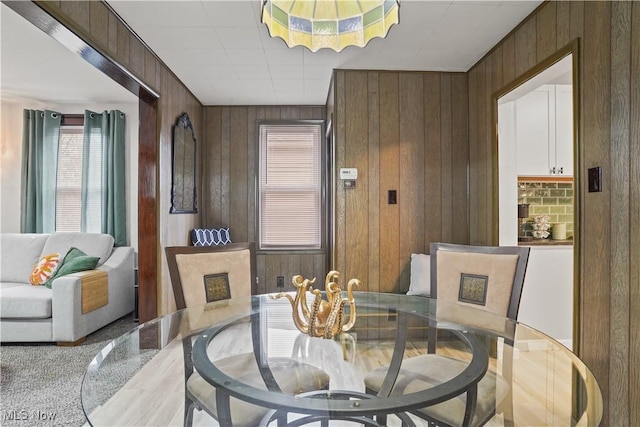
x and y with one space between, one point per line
45 269
74 261
19 253
23 301
92 244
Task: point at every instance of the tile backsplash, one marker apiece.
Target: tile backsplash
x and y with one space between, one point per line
548 198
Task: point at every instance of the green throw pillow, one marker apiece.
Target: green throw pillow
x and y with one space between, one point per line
74 261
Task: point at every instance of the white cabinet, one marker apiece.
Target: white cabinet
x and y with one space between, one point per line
544 131
564 128
547 294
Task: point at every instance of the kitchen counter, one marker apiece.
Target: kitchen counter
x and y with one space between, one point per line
547 242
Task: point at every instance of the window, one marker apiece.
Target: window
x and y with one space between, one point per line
69 183
69 179
290 186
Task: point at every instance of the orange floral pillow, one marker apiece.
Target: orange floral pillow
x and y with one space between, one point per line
45 269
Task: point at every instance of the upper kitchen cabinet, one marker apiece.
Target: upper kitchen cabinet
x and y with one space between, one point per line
564 129
544 131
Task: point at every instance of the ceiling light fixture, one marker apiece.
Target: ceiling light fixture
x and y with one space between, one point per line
333 24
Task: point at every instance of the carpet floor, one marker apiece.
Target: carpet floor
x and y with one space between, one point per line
40 383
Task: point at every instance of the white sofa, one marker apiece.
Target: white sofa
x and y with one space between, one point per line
77 304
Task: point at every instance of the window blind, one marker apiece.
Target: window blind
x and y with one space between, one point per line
290 204
69 179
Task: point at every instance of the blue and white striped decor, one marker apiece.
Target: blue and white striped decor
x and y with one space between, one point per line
210 236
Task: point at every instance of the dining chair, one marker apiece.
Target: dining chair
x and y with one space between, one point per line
489 278
208 274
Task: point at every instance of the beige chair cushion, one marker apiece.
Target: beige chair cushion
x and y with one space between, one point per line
292 377
500 269
427 370
193 267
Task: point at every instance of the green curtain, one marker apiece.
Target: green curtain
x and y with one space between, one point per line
104 186
40 140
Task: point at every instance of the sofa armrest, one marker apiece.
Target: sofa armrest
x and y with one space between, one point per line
120 267
69 323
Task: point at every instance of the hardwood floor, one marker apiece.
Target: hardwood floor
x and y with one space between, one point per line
542 385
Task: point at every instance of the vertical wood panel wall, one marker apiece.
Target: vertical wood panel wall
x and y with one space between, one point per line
94 22
609 136
403 131
229 171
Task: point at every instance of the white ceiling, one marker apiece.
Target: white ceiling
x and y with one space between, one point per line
225 56
34 66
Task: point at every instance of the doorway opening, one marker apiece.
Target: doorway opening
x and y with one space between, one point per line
537 181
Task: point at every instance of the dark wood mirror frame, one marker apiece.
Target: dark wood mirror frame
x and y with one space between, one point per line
183 184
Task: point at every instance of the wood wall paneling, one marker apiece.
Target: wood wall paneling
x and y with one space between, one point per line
459 159
497 73
229 186
525 46
608 134
225 184
596 235
546 31
211 161
411 190
389 260
238 168
508 59
576 24
414 126
78 12
446 150
340 162
620 292
99 23
433 163
473 156
123 38
562 30
483 169
356 155
634 210
411 202
252 170
373 97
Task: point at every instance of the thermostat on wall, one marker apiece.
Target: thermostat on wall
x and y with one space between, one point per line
348 173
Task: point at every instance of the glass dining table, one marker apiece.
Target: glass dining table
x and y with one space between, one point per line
246 349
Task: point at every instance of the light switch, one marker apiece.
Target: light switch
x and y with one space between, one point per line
595 179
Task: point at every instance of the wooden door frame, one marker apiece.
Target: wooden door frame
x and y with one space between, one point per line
572 48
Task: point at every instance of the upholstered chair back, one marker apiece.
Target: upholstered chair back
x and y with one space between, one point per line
202 274
485 277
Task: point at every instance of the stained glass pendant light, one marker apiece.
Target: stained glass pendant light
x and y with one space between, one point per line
333 24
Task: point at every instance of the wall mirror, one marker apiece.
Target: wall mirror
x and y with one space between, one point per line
183 186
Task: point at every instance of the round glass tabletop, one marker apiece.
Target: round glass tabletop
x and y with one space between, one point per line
407 360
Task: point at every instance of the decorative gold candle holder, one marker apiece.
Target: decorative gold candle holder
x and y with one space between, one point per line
323 318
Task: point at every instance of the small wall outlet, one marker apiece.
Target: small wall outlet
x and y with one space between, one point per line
392 314
392 197
280 281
